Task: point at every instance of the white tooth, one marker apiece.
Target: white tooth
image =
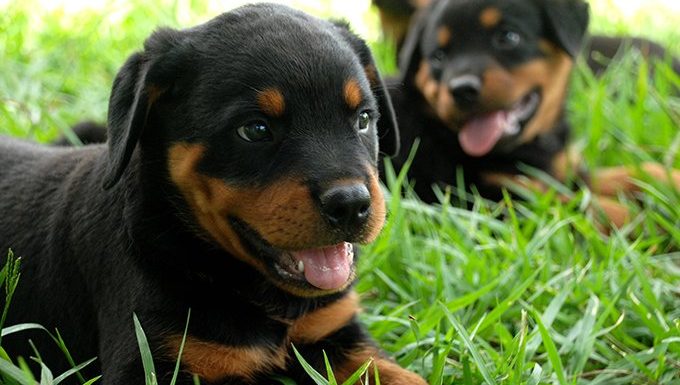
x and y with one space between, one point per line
512 127
300 267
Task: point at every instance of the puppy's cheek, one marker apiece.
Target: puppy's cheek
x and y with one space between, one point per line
500 88
378 210
427 86
446 109
208 199
284 215
552 76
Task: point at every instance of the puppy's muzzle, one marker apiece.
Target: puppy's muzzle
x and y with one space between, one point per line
346 207
466 91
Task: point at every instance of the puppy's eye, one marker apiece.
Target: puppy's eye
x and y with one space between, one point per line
437 58
507 39
363 122
257 131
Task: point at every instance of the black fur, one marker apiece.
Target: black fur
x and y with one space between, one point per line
104 232
472 52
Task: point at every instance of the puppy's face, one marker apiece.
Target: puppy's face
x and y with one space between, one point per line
270 132
495 72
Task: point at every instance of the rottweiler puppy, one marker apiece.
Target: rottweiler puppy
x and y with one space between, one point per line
485 82
483 85
240 169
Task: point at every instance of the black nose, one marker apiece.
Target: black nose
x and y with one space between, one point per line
466 91
346 207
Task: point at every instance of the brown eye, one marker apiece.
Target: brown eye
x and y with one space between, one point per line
363 122
507 39
437 58
255 132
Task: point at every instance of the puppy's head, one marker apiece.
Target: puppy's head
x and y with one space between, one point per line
495 71
266 122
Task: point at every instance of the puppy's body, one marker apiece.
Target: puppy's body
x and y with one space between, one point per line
232 163
483 86
440 160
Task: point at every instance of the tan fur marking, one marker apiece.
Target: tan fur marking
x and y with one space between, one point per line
378 209
614 212
323 322
213 362
490 17
502 89
390 373
614 180
282 213
443 36
352 93
565 164
552 75
617 214
201 194
272 102
506 180
424 82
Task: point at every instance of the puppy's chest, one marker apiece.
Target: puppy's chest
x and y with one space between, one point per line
256 342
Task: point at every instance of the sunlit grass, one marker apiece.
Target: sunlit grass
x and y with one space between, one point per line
515 292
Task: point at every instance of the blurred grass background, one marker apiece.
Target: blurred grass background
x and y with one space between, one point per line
517 292
60 53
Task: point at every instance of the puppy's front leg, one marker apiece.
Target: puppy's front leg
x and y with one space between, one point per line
335 330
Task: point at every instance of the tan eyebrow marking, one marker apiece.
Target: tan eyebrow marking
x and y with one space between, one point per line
490 17
271 101
352 93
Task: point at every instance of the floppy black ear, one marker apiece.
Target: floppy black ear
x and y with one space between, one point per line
567 22
388 131
144 77
410 54
128 108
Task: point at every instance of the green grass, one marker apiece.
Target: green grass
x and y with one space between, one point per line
515 292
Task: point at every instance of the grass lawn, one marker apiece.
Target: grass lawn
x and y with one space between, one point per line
510 292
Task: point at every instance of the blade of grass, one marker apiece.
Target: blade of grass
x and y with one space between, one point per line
549 344
311 372
181 349
145 351
476 356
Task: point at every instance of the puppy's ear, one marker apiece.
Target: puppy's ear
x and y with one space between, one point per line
567 22
142 80
388 131
410 54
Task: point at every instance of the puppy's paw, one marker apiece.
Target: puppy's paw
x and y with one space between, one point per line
390 373
393 374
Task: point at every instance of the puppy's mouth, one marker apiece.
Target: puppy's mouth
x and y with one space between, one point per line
480 134
327 268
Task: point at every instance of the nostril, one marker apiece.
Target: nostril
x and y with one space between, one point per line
465 90
346 206
364 209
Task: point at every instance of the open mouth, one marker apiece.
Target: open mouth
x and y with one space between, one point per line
321 268
480 134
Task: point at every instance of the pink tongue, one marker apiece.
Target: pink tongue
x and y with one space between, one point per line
480 135
327 268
